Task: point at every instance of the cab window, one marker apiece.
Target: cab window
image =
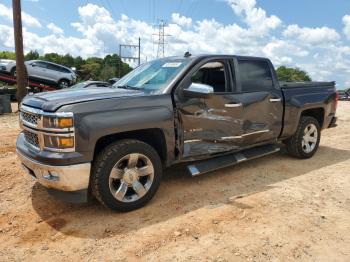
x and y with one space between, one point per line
255 75
212 74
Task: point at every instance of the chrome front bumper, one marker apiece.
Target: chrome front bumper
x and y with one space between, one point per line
64 178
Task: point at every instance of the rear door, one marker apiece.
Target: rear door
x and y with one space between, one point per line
261 101
209 125
37 69
53 72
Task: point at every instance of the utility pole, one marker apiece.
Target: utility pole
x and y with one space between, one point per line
138 58
20 68
161 39
160 50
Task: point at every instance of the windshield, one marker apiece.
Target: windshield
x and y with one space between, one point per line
152 77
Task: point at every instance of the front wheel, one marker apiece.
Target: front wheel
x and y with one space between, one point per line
304 143
13 72
126 175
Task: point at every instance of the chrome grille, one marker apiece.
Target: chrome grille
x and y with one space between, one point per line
31 138
32 119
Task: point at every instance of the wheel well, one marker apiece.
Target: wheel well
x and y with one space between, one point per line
317 113
154 137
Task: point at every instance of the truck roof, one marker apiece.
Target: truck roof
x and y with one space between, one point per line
216 55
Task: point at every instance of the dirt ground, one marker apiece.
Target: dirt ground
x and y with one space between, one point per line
275 208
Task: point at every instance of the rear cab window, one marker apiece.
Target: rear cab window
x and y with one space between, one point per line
255 75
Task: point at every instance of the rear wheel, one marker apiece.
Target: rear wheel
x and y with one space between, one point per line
63 84
126 175
304 143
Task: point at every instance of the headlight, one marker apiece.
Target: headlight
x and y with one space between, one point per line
58 122
58 142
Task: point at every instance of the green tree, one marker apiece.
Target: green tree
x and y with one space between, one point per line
292 74
32 55
90 70
107 72
7 55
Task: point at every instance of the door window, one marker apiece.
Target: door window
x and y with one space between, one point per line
255 76
53 67
40 64
212 74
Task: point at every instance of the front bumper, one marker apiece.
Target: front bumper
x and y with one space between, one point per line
63 178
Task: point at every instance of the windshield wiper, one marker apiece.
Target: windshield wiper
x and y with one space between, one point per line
129 87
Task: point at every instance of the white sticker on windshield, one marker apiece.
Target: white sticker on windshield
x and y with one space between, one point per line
173 64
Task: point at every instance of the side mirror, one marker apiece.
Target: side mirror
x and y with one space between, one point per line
34 64
197 90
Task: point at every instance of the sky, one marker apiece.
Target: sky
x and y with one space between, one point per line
313 35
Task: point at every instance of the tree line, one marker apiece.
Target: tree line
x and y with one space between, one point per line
104 68
91 68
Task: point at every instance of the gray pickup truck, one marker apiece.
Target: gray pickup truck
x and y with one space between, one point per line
210 111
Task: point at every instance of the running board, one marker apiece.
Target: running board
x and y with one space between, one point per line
212 164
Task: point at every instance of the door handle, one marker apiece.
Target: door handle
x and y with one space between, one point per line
275 99
233 105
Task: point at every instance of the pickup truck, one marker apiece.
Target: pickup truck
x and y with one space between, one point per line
210 111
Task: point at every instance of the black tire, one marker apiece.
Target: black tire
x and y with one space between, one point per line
104 163
295 143
13 72
63 83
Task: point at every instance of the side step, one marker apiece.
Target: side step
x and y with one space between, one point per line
212 164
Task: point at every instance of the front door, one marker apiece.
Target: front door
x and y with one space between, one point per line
209 125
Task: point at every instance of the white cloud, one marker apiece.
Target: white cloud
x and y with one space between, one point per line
255 17
6 36
313 36
346 22
28 20
181 20
281 52
55 29
320 51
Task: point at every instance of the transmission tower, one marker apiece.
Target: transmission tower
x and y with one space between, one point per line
161 38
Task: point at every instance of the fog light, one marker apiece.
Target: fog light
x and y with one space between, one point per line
59 142
65 142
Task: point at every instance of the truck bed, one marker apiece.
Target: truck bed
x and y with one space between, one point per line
285 84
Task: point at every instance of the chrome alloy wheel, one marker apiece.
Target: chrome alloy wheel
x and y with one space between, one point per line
310 138
131 177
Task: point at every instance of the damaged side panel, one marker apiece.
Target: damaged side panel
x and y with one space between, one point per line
209 127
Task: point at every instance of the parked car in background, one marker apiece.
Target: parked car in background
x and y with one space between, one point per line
43 71
91 84
344 95
6 65
113 80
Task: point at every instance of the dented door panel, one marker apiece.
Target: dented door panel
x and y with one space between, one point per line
262 119
210 127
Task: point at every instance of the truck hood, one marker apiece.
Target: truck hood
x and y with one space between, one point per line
51 101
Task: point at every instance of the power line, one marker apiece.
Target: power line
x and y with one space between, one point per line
161 39
130 57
